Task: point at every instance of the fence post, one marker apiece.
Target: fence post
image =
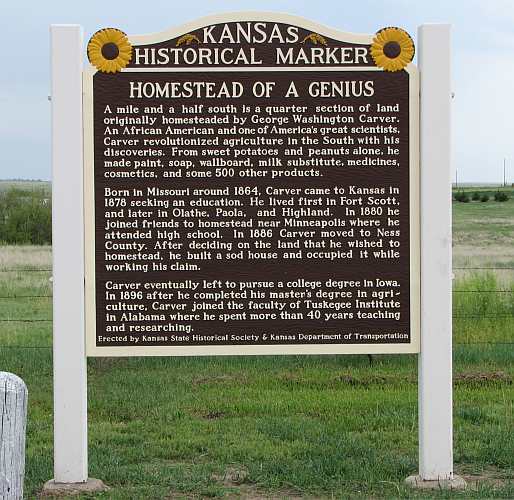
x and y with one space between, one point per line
13 423
435 359
70 384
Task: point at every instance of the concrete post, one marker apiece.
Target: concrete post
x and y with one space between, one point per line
13 423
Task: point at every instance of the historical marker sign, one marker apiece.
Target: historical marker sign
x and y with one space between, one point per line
251 188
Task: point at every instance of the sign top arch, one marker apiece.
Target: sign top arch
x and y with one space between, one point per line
255 39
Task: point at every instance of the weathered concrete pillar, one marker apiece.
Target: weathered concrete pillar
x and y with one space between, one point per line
13 420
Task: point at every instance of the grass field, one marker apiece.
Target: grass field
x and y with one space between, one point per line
281 427
483 233
22 184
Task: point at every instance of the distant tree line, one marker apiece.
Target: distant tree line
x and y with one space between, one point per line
25 216
464 197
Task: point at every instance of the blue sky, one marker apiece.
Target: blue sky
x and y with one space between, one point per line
483 65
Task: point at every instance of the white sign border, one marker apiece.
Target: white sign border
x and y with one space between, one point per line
92 350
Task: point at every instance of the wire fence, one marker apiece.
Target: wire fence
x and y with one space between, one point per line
457 314
22 270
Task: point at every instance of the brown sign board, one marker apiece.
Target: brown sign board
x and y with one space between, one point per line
251 187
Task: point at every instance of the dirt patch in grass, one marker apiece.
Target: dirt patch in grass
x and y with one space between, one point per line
213 415
246 492
347 379
482 378
235 479
301 380
234 483
232 476
487 476
460 379
369 380
249 492
177 495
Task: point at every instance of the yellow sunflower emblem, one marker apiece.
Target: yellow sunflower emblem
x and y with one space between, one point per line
109 50
392 49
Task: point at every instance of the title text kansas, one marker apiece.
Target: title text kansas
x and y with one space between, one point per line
240 45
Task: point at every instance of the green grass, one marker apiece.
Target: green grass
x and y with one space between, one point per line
483 236
315 426
487 223
483 308
282 427
330 426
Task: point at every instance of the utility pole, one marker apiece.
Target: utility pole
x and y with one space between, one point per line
504 178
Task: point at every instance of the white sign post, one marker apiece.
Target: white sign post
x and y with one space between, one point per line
69 357
435 358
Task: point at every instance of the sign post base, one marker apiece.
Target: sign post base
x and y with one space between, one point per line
455 483
51 488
